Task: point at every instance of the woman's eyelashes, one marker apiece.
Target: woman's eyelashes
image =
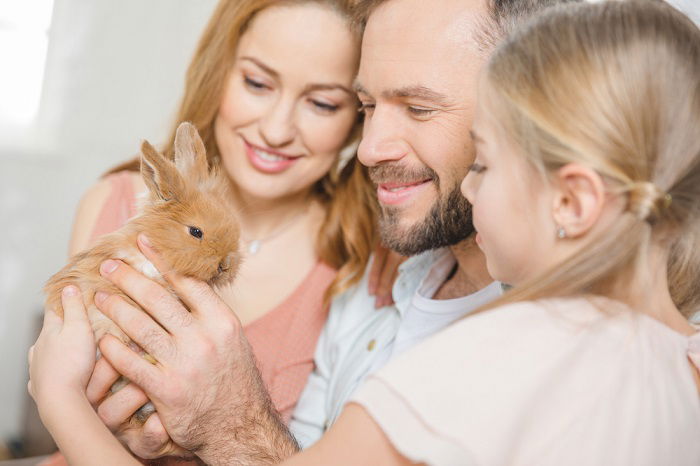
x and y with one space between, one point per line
321 106
254 84
324 107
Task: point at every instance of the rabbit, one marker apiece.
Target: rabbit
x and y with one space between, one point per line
187 217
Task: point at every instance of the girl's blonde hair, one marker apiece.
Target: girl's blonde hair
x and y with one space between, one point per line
614 86
346 238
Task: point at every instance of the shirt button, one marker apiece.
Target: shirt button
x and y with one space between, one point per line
371 345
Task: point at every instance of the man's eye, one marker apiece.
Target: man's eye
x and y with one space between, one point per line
420 111
476 168
253 84
366 108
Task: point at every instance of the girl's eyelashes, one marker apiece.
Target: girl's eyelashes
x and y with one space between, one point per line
476 168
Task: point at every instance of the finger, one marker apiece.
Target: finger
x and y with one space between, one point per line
138 325
117 409
375 271
51 320
165 308
30 354
102 378
131 365
197 295
73 306
155 439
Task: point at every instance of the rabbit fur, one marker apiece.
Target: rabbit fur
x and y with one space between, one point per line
182 195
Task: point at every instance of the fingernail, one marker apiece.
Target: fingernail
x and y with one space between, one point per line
145 241
108 266
100 297
70 290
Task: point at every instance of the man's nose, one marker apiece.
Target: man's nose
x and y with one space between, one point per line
382 140
278 125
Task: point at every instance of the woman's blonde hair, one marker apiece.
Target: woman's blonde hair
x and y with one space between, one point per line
346 238
614 86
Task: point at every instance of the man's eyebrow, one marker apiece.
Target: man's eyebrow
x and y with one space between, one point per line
359 88
417 92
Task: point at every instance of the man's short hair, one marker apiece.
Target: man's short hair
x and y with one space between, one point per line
504 16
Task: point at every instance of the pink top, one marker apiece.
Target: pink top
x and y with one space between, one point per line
283 339
551 382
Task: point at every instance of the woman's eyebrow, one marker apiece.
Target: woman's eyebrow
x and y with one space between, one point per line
307 88
329 87
262 65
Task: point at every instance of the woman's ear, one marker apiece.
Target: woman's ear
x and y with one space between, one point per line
579 199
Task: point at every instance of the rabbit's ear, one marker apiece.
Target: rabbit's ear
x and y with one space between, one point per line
190 154
161 176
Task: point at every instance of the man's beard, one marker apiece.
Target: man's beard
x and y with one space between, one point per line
448 222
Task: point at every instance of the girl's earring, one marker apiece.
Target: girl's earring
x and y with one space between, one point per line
561 233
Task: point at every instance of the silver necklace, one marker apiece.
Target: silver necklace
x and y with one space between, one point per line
254 245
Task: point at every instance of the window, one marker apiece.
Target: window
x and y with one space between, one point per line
24 27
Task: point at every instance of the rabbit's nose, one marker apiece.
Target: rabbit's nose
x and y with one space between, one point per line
225 264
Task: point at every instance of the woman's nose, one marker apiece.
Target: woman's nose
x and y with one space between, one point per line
278 126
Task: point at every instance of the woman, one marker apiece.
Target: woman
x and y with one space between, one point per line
270 91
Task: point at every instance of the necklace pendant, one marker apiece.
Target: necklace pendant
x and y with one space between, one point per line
254 246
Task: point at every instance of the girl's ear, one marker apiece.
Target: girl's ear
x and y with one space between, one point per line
190 154
160 174
579 199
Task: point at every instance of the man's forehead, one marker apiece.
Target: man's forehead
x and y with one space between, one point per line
413 44
418 25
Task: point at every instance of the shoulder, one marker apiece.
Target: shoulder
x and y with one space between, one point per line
114 187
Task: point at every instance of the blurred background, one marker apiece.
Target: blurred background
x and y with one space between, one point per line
82 82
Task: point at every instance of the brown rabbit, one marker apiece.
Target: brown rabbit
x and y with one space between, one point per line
188 219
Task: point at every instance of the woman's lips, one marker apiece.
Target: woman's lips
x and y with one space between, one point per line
267 160
397 193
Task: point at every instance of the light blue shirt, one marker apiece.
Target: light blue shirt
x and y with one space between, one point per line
358 339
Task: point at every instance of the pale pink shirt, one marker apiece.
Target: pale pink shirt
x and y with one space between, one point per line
283 339
554 382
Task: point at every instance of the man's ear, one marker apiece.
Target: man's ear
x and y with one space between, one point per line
579 199
160 175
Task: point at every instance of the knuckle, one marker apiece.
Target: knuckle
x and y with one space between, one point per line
156 296
107 416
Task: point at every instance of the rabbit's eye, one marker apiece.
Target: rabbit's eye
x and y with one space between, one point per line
196 232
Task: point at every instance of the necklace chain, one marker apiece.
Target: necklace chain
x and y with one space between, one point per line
254 245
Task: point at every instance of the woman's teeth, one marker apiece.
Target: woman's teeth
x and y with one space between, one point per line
268 156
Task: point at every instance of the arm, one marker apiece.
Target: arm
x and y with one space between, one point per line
310 415
354 439
60 364
86 216
205 386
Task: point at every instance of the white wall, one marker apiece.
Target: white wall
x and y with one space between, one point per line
114 75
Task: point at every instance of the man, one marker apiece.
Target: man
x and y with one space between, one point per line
417 83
